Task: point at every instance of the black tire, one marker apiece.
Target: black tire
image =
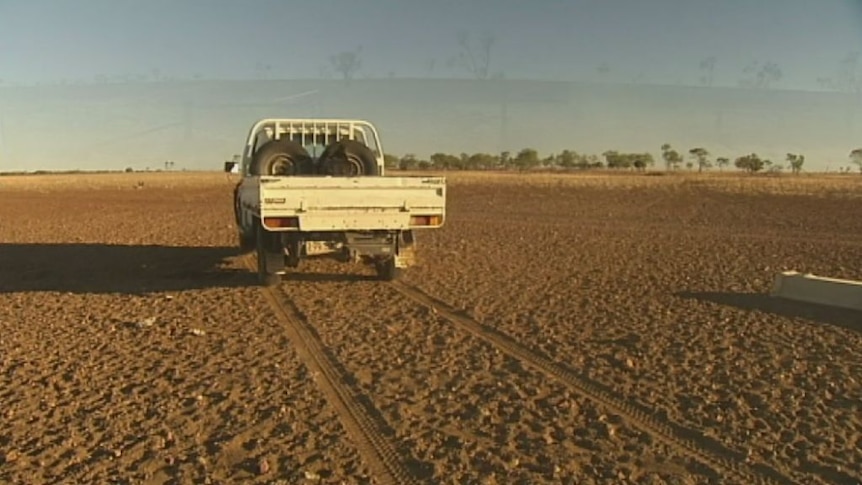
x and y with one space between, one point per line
247 242
281 157
387 271
236 208
347 158
247 239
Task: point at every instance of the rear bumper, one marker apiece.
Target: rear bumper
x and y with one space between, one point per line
337 222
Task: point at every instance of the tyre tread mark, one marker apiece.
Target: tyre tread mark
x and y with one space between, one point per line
378 452
758 473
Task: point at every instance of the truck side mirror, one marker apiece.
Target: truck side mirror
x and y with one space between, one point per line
230 167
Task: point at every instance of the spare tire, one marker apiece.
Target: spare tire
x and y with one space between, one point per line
281 157
347 158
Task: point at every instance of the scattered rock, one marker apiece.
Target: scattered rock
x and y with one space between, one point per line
262 466
309 475
10 456
365 377
145 323
198 332
158 443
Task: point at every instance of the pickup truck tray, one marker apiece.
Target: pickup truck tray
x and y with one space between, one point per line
315 203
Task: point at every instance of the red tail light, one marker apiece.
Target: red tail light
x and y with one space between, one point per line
281 222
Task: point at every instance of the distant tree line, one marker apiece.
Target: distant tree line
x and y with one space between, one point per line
526 159
529 159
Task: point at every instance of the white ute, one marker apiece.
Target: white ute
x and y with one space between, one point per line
317 187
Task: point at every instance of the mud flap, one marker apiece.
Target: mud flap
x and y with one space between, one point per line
270 257
405 258
405 253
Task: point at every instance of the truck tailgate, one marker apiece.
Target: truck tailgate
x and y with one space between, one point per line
352 203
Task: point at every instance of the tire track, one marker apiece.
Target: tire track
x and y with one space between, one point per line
730 464
365 430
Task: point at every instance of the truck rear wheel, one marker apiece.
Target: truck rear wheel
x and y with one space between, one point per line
247 242
281 157
386 269
347 158
246 238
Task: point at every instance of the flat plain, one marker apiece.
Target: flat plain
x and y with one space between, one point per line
586 328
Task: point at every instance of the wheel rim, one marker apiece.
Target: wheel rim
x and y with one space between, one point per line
282 165
354 166
348 166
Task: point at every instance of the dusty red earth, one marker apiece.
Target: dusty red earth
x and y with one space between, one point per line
574 329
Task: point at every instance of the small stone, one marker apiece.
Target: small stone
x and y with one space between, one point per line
262 466
10 456
309 475
147 322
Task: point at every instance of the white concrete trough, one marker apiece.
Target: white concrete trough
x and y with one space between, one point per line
793 285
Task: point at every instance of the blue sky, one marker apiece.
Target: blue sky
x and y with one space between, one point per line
658 41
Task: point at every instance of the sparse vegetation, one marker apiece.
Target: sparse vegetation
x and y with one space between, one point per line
390 161
700 155
796 162
672 158
529 159
751 163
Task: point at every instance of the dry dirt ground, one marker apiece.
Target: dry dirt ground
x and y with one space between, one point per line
558 329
